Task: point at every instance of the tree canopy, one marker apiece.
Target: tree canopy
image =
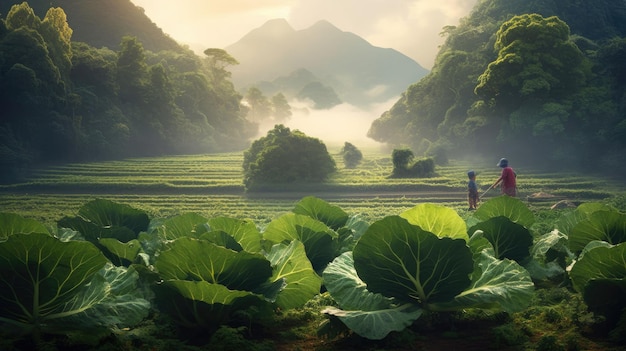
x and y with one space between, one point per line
352 156
68 101
521 78
286 156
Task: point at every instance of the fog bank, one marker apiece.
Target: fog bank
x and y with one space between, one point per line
334 126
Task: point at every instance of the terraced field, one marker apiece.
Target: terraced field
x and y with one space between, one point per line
211 185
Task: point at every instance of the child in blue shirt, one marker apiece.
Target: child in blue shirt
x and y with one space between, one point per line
472 190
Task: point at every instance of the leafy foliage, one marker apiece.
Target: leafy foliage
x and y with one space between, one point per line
543 82
381 278
405 166
608 226
53 287
600 275
67 100
407 271
416 264
285 156
112 227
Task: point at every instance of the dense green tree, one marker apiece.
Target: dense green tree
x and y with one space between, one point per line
94 68
546 86
401 158
259 105
58 37
285 156
405 165
535 60
132 71
218 60
67 101
281 111
352 156
22 15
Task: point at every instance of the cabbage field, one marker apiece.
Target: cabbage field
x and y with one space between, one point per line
171 253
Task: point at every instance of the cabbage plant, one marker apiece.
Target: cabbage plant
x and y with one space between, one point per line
421 261
599 271
48 286
587 246
114 228
214 271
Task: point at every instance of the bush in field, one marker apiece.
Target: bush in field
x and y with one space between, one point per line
351 155
285 156
404 167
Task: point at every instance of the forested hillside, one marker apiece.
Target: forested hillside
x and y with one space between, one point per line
103 23
537 81
63 100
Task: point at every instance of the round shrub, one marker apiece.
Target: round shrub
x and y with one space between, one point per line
351 155
285 156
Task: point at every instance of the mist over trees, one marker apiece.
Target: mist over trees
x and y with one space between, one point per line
542 82
534 81
263 111
68 101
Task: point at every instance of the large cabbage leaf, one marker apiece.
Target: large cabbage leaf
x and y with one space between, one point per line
370 315
47 285
503 285
609 226
348 290
439 220
507 206
319 240
196 260
569 219
244 232
401 260
600 275
601 262
290 264
184 225
107 213
510 240
377 324
550 255
331 215
200 305
123 306
11 223
106 219
103 219
122 254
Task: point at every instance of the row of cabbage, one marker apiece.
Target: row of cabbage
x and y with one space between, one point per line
111 266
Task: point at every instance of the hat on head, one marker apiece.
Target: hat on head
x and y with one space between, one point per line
470 173
503 163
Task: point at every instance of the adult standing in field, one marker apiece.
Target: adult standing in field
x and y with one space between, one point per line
507 178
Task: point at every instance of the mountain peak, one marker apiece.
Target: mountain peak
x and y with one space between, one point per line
325 25
342 60
275 28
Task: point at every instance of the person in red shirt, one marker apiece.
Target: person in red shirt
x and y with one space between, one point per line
507 178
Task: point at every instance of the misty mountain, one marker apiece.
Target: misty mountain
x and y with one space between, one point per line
103 23
275 57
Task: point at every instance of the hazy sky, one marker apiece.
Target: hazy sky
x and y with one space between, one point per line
409 26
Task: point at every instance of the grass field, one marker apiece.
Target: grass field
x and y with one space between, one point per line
211 185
